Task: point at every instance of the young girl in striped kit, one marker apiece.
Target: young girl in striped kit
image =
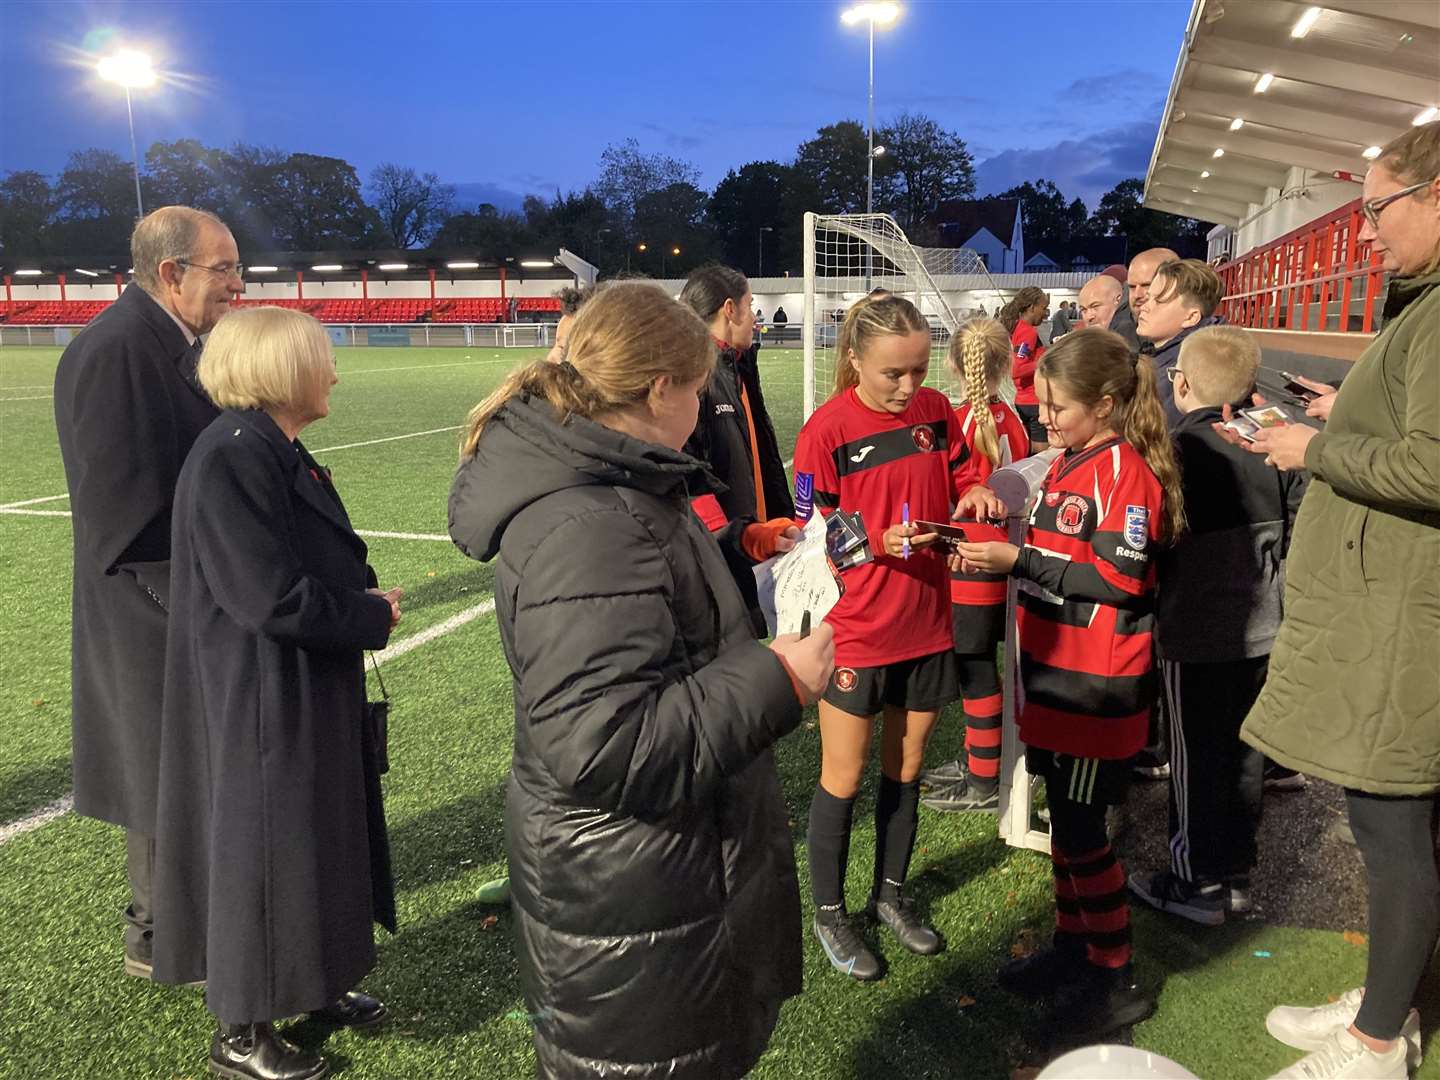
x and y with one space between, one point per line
1085 619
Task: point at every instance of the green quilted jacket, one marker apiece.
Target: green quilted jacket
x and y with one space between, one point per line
1353 694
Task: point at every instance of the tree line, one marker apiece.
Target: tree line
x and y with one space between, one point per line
633 216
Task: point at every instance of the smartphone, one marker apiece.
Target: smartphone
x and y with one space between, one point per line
1268 416
950 534
1296 388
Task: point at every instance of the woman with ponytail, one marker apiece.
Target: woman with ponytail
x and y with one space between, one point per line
1085 619
994 436
652 878
1026 310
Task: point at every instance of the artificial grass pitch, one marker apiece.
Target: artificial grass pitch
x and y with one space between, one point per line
67 1011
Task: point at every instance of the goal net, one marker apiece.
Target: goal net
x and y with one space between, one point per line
849 255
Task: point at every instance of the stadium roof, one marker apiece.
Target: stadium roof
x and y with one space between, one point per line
1313 90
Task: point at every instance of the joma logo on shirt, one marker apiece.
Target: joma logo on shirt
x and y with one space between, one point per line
722 408
864 452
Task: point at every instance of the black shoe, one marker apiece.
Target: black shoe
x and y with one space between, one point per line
952 772
1044 972
355 1010
844 949
255 1052
1102 1001
1164 891
897 911
1149 764
137 961
964 796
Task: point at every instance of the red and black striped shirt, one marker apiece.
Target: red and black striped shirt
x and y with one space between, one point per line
1086 610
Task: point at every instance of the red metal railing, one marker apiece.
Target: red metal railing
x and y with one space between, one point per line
1322 276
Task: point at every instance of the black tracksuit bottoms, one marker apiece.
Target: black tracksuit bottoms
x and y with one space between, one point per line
1216 781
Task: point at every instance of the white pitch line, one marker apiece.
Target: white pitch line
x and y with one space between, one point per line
34 513
62 806
38 386
32 502
426 367
37 397
402 535
30 822
400 648
390 438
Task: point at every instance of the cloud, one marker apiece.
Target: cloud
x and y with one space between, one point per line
1125 85
1087 167
674 139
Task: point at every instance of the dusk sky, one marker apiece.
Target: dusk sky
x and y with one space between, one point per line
510 98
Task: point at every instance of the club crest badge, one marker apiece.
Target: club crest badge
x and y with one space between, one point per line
1070 518
1137 526
924 437
846 680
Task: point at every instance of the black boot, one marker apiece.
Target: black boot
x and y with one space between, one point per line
255 1052
1100 1003
897 911
355 1010
1046 971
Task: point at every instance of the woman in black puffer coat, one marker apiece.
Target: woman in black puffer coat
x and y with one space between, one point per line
652 874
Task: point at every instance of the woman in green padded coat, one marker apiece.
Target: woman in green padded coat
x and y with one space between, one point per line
1354 689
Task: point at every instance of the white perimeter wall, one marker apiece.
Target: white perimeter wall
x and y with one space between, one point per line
316 289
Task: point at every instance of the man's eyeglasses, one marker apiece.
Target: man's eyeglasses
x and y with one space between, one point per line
1171 373
224 269
1373 207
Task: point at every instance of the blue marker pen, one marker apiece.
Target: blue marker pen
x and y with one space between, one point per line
905 520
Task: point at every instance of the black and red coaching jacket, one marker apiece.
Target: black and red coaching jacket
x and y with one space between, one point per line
984 590
1086 609
851 457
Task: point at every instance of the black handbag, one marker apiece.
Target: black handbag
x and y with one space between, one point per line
377 722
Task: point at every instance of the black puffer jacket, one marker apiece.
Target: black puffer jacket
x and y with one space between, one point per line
656 904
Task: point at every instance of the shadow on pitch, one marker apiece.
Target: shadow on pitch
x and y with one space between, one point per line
30 787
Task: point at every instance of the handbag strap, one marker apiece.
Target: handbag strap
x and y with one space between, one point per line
375 664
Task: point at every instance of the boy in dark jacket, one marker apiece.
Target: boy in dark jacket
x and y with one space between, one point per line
1220 590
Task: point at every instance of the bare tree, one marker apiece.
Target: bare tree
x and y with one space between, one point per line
411 205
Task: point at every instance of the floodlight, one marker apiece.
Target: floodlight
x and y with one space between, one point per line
1237 124
1370 153
87 273
327 268
393 266
878 14
262 269
644 247
1425 117
1219 152
1205 175
462 266
28 273
1263 83
1305 22
128 68
675 251
879 151
537 264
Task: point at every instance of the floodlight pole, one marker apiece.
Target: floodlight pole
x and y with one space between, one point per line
869 129
760 259
134 154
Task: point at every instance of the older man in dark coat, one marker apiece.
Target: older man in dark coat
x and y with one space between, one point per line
127 409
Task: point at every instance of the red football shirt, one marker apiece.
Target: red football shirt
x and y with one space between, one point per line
985 590
1086 611
851 457
1026 351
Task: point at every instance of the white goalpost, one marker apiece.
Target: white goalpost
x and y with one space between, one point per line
846 256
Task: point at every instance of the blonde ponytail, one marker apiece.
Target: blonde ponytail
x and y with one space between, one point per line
980 355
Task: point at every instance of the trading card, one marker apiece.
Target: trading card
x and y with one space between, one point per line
1268 417
950 535
1243 426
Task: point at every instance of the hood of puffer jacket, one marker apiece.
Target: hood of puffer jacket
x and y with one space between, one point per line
527 452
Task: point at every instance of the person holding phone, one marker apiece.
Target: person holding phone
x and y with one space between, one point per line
652 876
884 447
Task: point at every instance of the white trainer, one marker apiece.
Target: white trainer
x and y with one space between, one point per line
1344 1057
1308 1029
